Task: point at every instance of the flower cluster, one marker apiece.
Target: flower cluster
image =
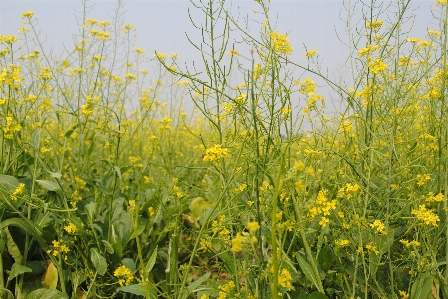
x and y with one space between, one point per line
281 43
58 246
71 228
124 275
425 215
322 207
216 152
18 191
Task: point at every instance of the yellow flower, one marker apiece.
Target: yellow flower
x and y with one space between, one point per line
281 43
18 192
234 52
310 54
27 14
426 216
71 228
379 227
253 226
342 243
403 294
216 152
124 275
284 279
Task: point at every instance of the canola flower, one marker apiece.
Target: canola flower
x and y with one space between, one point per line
428 217
215 153
18 191
71 228
281 43
124 275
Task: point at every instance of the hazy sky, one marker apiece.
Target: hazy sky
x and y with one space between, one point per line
162 24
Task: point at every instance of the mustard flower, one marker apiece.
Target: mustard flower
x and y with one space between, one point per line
234 52
379 227
124 275
426 216
216 152
71 228
284 279
18 191
281 43
310 54
27 14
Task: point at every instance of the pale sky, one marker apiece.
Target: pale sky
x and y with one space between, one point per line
162 24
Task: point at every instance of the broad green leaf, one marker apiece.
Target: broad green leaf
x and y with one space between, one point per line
133 289
308 271
325 258
99 262
9 182
46 294
90 208
422 286
18 269
6 294
129 263
151 262
49 185
13 249
57 175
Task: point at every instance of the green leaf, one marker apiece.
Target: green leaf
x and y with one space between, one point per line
90 208
57 175
133 289
192 287
51 276
13 249
316 295
46 294
422 286
108 246
129 263
9 182
308 271
35 139
49 185
99 262
18 269
151 262
325 258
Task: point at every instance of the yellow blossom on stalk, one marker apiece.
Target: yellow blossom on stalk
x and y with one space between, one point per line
130 76
379 227
413 39
367 50
422 179
18 191
434 198
310 54
281 43
426 216
241 99
160 56
124 275
71 228
58 247
403 294
375 25
411 243
237 243
27 14
151 211
377 66
372 248
216 152
284 279
253 226
308 87
234 52
441 2
139 50
342 242
225 289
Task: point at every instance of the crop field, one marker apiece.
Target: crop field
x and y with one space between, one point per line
127 174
